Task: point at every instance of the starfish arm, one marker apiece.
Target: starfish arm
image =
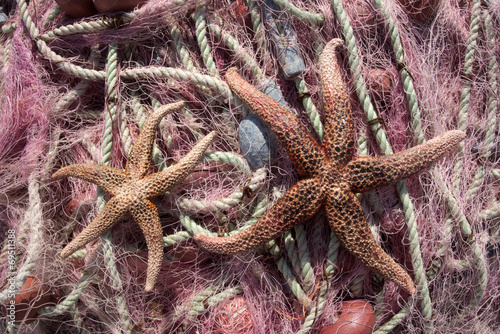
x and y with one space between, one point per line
140 156
159 183
339 134
367 173
301 202
113 211
108 178
146 215
304 151
347 220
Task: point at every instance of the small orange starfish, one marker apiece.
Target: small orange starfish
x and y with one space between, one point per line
332 176
132 190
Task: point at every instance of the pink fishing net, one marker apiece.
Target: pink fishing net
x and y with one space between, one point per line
78 91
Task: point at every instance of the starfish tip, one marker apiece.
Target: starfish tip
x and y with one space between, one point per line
233 70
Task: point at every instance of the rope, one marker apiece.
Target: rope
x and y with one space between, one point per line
306 17
416 255
107 147
201 37
470 54
385 147
33 226
311 110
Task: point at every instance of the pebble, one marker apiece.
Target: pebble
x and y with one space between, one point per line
257 142
3 16
286 45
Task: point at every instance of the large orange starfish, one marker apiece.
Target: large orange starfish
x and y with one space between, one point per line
331 175
132 190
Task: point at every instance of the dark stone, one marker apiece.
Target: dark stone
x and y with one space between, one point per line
284 40
257 142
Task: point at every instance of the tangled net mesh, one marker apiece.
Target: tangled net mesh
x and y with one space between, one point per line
77 91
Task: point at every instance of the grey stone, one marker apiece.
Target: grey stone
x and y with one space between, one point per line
284 39
258 143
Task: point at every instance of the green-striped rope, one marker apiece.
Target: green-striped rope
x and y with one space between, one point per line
309 106
52 15
492 105
107 147
394 321
235 47
201 37
32 226
467 72
318 306
314 19
287 273
259 32
199 306
69 302
256 180
158 72
380 136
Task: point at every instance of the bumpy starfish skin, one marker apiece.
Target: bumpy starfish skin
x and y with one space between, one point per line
132 190
332 175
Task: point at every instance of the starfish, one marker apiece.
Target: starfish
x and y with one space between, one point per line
132 190
330 175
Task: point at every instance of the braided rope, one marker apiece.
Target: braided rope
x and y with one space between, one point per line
489 138
233 44
314 19
416 255
309 106
59 61
33 226
381 139
287 272
52 15
199 306
176 238
107 146
256 180
490 213
479 256
82 27
394 321
181 49
201 37
69 303
306 272
470 54
5 49
318 306
259 32
301 261
177 74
